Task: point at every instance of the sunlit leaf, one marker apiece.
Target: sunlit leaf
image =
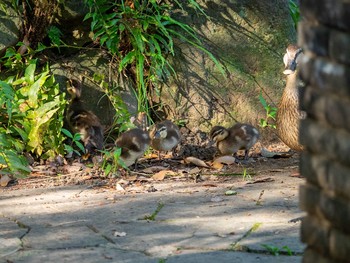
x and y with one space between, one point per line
29 72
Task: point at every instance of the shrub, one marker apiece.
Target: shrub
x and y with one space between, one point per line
31 114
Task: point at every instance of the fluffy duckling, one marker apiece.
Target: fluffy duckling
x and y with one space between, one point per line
133 143
288 114
83 121
165 136
239 137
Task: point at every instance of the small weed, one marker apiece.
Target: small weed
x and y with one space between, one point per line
276 251
162 260
155 213
112 161
236 246
55 34
288 250
270 114
260 197
246 175
75 141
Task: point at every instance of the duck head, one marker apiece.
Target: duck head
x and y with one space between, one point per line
290 59
217 133
161 133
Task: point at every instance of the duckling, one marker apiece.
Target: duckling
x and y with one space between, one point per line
83 121
133 143
239 137
165 136
288 114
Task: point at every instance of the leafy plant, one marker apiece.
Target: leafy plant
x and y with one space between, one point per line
122 116
276 251
74 141
270 114
294 11
31 114
140 35
10 160
246 175
55 34
112 161
155 213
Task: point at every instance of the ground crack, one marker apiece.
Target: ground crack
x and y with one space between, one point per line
95 230
20 225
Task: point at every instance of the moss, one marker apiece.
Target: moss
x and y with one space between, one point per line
249 37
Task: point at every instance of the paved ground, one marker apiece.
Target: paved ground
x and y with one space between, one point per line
179 222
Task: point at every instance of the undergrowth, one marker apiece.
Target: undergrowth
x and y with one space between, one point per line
31 113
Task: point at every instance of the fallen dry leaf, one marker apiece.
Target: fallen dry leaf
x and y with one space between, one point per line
151 156
196 161
262 180
161 175
227 159
4 180
210 185
120 188
195 170
217 166
123 181
153 169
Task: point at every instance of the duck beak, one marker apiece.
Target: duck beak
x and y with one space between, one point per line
157 135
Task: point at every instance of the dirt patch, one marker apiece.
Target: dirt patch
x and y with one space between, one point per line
151 170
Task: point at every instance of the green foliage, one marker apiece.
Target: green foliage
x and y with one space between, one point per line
55 34
31 113
10 161
112 161
276 251
246 175
271 113
122 115
152 217
75 140
294 11
141 36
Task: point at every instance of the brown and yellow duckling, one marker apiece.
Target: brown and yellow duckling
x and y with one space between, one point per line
165 136
83 121
239 137
288 114
133 143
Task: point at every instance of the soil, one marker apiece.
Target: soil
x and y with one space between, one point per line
151 170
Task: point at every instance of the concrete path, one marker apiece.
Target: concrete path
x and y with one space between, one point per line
180 222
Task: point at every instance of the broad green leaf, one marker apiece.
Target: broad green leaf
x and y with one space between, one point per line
41 47
77 137
80 146
67 133
128 59
29 72
33 90
108 169
68 148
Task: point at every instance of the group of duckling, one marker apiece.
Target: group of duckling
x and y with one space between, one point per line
164 136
